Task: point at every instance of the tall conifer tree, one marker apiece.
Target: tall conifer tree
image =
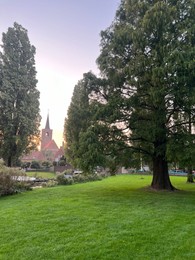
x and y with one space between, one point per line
147 57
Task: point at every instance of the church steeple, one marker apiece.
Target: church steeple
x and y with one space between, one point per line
46 135
47 122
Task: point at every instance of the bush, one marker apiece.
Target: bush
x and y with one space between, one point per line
25 165
62 162
47 164
22 186
10 180
68 171
63 180
79 178
68 179
35 165
51 183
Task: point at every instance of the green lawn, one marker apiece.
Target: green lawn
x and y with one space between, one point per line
117 218
44 175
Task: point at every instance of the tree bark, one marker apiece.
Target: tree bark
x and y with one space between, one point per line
161 180
190 177
9 161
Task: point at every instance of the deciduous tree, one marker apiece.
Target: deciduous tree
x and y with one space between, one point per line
19 96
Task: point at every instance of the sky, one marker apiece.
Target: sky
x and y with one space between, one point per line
66 35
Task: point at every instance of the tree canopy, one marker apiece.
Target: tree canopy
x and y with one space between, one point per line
82 146
19 97
147 54
146 95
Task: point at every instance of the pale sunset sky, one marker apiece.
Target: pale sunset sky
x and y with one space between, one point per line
66 35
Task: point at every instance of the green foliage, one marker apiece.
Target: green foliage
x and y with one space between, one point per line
50 183
21 186
144 103
25 165
35 165
79 119
91 151
62 179
46 164
19 97
62 162
82 133
68 171
147 60
9 180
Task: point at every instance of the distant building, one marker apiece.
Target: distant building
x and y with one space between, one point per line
49 150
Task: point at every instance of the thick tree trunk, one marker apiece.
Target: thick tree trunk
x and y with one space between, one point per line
161 180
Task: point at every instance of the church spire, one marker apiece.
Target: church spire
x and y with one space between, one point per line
47 122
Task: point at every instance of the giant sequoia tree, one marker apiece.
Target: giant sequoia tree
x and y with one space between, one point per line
147 58
19 97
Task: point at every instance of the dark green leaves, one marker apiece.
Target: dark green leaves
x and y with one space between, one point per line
19 97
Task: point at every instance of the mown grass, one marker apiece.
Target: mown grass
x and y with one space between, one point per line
117 218
44 175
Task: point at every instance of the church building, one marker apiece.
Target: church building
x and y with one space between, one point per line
49 150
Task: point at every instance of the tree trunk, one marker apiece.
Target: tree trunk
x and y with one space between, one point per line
161 180
190 177
9 161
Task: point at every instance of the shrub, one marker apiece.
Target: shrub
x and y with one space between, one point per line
25 165
10 180
47 164
62 162
35 165
22 186
51 183
79 178
68 179
68 171
63 180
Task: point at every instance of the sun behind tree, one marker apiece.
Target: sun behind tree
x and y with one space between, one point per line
19 99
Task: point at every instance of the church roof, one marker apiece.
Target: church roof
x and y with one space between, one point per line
34 155
59 153
51 145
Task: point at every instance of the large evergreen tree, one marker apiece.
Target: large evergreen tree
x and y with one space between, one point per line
90 142
77 121
147 58
19 97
